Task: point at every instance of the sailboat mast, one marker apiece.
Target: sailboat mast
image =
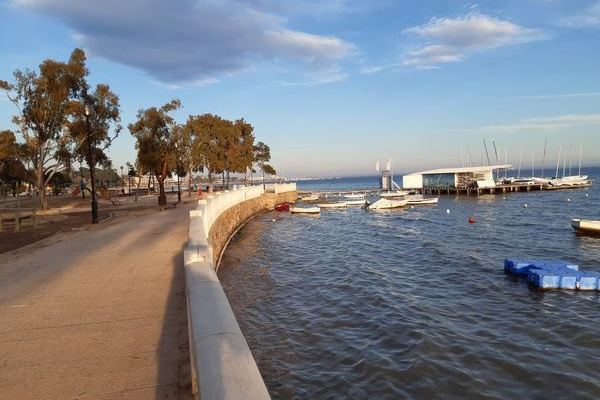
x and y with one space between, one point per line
544 158
487 155
520 161
506 162
564 164
532 169
580 151
558 162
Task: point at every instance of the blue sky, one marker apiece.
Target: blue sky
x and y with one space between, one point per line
333 86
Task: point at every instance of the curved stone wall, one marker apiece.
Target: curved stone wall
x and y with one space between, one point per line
222 364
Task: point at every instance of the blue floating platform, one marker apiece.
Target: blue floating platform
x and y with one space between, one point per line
553 274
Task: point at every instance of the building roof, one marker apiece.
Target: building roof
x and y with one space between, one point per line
457 170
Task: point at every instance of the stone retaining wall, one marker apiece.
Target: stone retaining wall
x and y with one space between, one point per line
222 364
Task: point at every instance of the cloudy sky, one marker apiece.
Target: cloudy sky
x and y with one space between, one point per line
334 85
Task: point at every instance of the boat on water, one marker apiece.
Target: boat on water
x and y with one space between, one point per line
570 181
305 210
282 207
355 196
361 202
394 194
312 197
339 204
384 203
586 226
422 201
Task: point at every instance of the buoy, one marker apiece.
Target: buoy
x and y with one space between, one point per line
504 197
525 205
568 199
273 220
447 211
471 220
587 194
412 207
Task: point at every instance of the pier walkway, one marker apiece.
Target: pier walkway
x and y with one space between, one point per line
98 313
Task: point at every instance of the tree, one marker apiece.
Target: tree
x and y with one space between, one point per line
262 155
153 131
59 181
42 99
12 170
91 117
8 145
210 137
244 147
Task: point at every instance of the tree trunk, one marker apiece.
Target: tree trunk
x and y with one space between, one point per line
162 197
41 181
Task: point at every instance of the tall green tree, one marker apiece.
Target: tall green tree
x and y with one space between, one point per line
94 122
42 99
155 146
262 155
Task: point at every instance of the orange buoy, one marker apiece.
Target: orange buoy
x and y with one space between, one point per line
471 220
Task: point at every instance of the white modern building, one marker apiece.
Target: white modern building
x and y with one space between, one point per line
476 177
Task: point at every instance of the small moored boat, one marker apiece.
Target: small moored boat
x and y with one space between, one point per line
305 210
586 226
282 207
355 196
312 197
384 203
422 201
340 204
394 194
356 202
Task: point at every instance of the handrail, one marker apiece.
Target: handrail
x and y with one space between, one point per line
222 365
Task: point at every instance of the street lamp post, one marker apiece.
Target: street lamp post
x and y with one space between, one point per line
122 181
81 185
91 165
177 173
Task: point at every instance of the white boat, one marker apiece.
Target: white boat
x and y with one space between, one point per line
340 204
312 197
384 203
305 210
355 196
574 180
586 225
394 194
422 201
356 202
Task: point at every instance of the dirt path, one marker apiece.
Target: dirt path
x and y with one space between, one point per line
98 313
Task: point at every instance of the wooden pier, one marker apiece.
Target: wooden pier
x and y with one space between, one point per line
449 190
475 191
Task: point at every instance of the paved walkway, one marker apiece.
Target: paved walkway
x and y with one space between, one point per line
97 314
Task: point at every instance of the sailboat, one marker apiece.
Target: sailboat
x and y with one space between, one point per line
569 181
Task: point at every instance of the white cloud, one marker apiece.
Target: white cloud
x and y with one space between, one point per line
190 41
557 96
450 40
584 19
545 124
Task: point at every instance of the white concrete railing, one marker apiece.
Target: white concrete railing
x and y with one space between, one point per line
222 365
280 187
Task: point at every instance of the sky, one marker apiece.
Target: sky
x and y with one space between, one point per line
332 86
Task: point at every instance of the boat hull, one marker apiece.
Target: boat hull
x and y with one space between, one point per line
386 204
305 210
586 226
333 205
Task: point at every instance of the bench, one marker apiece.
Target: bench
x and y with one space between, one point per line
18 215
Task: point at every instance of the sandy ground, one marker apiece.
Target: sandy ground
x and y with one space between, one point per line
97 313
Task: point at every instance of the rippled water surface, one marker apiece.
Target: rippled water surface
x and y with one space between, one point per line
414 303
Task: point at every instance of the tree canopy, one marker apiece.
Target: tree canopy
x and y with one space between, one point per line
155 143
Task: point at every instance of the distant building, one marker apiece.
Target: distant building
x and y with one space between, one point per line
453 177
